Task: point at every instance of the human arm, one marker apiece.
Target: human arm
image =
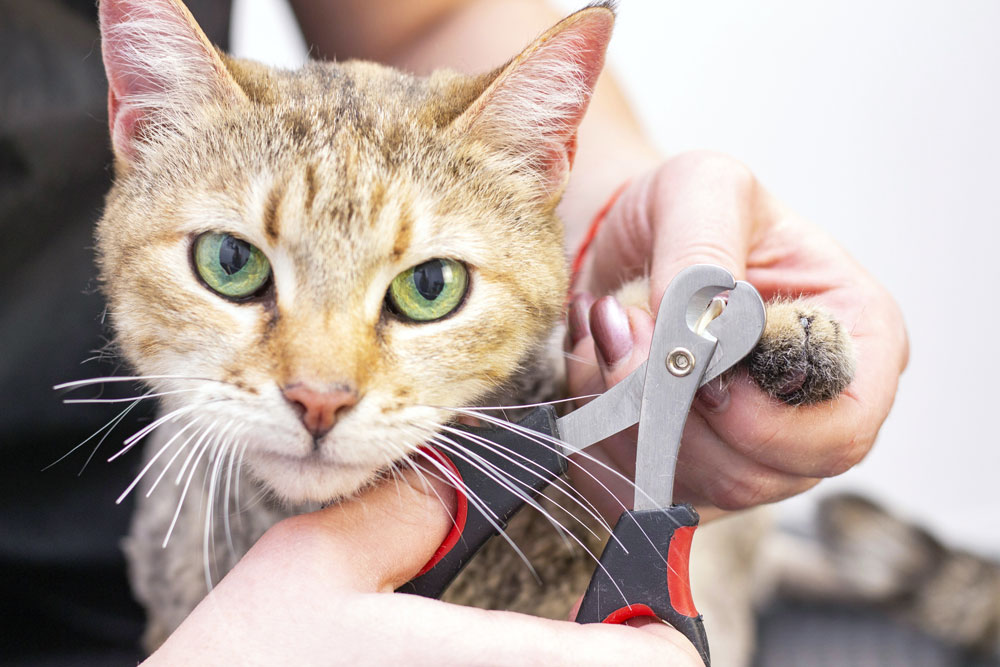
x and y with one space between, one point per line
317 589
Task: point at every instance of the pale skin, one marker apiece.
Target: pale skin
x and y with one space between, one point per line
317 588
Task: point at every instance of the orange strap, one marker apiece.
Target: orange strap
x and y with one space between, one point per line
595 225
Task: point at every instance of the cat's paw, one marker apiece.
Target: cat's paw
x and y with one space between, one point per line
805 355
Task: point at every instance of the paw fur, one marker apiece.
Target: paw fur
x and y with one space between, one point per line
804 356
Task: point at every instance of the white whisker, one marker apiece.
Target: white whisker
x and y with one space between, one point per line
131 441
208 544
547 516
197 446
226 497
187 485
555 445
518 407
577 357
481 464
128 378
478 503
497 474
152 461
110 426
556 482
239 473
173 458
77 401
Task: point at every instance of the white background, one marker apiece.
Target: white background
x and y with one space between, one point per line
878 120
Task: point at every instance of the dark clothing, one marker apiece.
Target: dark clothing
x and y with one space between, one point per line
65 599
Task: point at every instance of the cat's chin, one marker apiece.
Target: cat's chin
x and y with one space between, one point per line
309 479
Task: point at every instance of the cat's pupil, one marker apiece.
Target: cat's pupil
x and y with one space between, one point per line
429 278
233 254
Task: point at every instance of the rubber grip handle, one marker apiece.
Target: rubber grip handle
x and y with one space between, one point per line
526 462
644 572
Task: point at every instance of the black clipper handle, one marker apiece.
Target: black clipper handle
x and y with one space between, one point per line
644 572
529 459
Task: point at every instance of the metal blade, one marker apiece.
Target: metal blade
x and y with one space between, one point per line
658 399
613 411
666 400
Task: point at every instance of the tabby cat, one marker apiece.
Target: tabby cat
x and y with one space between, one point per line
313 271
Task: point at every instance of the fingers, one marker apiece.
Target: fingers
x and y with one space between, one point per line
742 447
697 208
825 439
711 472
463 636
375 542
278 611
601 358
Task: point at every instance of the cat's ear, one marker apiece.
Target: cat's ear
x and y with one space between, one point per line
161 67
532 108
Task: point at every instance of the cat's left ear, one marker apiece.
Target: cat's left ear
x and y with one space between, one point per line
532 108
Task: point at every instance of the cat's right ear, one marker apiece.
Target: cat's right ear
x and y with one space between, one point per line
533 105
161 68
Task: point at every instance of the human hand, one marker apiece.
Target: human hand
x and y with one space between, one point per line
317 589
741 447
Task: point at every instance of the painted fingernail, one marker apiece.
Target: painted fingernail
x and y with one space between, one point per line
610 328
713 396
577 321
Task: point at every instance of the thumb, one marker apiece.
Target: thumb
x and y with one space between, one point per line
697 208
376 541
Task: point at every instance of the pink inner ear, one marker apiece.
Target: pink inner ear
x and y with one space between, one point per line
157 61
536 105
122 124
572 58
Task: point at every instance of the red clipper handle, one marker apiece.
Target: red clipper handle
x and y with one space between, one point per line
522 458
644 572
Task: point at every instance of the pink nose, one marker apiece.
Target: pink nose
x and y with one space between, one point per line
318 408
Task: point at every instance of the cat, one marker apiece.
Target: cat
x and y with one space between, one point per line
860 570
313 270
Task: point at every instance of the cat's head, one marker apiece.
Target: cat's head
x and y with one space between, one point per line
332 257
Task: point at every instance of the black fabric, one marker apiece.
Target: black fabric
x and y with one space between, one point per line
64 598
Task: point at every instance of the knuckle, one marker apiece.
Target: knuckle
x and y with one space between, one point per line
296 531
757 438
709 164
736 490
707 251
850 455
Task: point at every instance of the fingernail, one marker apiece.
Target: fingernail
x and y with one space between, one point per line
577 321
610 328
713 396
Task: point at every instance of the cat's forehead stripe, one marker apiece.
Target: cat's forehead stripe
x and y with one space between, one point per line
311 186
377 201
272 212
404 232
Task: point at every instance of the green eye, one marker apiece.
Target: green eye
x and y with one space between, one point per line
429 291
230 266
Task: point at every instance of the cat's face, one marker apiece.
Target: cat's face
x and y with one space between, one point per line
329 183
